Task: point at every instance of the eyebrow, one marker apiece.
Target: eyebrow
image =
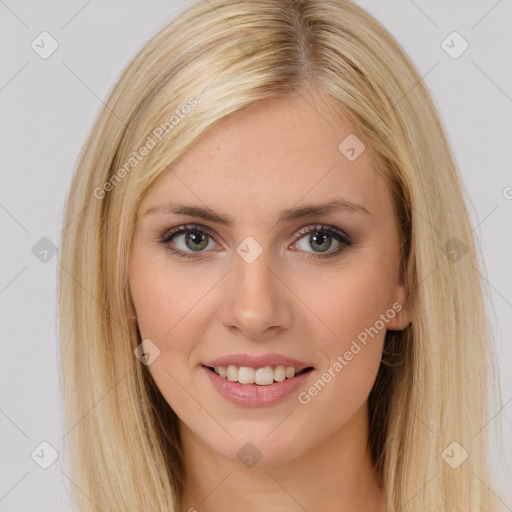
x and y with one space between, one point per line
337 205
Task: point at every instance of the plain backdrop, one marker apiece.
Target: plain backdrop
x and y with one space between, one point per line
48 106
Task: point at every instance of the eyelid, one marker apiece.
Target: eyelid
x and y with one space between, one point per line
184 227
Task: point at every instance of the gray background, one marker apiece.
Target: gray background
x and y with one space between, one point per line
47 108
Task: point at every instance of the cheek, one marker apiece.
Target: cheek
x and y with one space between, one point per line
168 310
351 353
164 297
352 313
169 313
348 301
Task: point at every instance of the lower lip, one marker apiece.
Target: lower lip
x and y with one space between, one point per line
254 395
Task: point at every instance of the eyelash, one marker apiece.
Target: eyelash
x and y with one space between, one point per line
165 237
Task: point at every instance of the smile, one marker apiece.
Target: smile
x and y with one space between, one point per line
253 394
264 376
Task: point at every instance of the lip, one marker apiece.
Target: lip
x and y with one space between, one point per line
254 395
258 361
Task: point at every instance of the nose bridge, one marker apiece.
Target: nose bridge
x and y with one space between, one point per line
255 299
252 266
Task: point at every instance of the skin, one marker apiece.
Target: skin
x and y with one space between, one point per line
280 154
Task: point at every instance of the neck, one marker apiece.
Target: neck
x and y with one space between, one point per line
335 475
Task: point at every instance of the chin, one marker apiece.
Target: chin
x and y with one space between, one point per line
257 447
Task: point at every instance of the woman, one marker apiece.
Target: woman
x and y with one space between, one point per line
269 297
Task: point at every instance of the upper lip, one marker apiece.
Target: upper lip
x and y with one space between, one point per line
257 361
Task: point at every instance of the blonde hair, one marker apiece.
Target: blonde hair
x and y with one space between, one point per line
214 59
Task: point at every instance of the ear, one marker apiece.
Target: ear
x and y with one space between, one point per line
400 304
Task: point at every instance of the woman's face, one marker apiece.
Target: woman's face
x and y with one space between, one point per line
267 281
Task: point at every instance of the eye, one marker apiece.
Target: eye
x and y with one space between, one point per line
193 238
186 240
320 237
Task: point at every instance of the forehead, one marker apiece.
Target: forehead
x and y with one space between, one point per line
277 153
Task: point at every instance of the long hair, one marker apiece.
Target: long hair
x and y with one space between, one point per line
428 406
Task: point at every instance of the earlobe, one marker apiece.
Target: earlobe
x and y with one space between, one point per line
401 306
399 314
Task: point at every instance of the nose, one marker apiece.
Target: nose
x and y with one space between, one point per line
255 300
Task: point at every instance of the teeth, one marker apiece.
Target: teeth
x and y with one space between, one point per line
261 376
279 373
246 375
264 376
232 373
